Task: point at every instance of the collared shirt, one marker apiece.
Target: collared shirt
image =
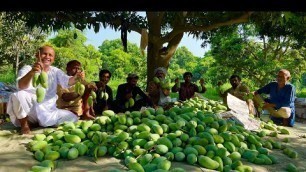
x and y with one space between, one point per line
283 97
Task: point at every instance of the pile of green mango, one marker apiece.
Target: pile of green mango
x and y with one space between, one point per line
151 139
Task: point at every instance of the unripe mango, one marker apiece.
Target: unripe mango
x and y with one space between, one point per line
47 163
39 137
39 155
72 138
52 155
77 87
192 159
131 102
164 165
199 88
106 96
126 104
135 166
156 80
291 168
39 145
78 132
73 153
37 168
43 78
161 149
93 94
35 80
90 100
102 150
101 95
207 162
63 152
81 89
40 94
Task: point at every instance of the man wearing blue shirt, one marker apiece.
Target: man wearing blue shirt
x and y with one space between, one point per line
280 104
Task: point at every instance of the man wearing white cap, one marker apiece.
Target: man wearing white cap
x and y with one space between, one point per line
160 96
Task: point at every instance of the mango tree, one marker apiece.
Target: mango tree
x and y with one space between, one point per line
18 43
161 31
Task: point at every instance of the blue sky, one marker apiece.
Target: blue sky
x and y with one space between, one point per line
96 39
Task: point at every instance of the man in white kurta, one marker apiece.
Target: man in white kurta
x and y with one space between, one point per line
23 107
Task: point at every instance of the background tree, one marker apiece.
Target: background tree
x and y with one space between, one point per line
121 63
255 56
164 29
70 45
18 43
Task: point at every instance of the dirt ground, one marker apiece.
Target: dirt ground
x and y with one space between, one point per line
14 157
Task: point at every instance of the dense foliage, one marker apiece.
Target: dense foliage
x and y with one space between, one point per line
252 44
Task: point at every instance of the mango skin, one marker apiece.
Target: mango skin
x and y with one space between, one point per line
131 102
35 80
40 94
43 78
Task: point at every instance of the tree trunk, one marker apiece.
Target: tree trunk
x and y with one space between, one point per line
159 56
16 64
155 59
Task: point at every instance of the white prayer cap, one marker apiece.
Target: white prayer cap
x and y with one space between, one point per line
162 69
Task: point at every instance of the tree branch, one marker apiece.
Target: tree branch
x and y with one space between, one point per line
181 29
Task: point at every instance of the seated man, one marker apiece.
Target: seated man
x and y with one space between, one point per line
159 96
240 91
186 89
25 108
280 105
70 100
104 92
130 90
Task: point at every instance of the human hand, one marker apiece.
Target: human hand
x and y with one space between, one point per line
268 105
37 67
92 86
128 96
101 85
80 75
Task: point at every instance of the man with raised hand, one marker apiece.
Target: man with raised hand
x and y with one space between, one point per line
23 106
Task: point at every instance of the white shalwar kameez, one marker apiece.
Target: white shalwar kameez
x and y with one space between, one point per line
23 102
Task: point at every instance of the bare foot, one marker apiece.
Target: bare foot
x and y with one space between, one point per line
92 112
87 116
25 130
